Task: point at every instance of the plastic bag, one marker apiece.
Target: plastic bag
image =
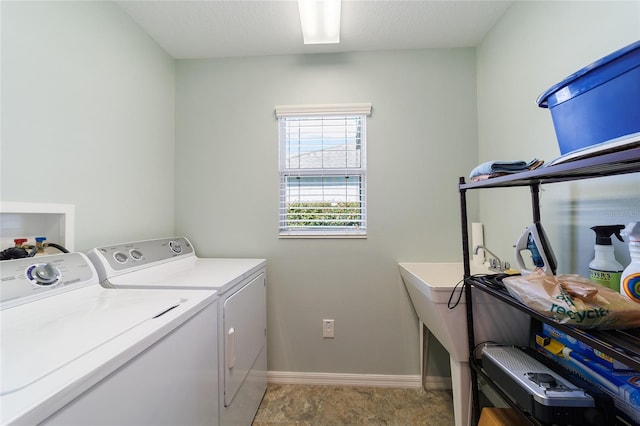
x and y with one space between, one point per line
574 300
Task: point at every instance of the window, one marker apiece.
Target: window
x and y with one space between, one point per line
323 170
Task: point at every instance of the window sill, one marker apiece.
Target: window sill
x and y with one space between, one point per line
300 235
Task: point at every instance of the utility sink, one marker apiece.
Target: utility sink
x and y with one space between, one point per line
430 287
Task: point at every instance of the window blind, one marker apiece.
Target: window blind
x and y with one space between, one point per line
322 172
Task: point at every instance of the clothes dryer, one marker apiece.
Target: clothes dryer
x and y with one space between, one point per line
171 263
75 353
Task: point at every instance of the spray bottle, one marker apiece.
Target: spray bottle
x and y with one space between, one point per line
604 268
630 283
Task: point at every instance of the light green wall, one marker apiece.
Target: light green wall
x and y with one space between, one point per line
87 118
90 98
535 45
421 138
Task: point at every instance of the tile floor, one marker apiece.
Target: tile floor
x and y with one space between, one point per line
334 406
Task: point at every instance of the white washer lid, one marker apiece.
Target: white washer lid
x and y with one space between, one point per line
40 399
195 273
43 336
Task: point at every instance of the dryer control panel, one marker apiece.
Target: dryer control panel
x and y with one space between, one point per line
113 259
27 279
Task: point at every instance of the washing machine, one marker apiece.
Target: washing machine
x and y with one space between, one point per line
75 353
170 264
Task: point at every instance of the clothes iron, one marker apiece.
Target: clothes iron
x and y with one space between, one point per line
534 240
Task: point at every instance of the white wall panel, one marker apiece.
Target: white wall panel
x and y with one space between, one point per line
421 138
87 118
534 46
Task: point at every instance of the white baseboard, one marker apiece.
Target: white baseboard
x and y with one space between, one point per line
345 379
438 383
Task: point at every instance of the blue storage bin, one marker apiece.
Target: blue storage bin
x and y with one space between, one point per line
598 103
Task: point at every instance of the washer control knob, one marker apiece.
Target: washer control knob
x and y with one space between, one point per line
175 247
136 254
43 274
120 257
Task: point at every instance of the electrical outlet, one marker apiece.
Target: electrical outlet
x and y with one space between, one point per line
327 328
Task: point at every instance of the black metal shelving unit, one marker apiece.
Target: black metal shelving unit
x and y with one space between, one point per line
621 345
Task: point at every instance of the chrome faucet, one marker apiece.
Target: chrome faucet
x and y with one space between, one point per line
495 264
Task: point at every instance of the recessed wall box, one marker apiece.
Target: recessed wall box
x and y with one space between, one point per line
56 222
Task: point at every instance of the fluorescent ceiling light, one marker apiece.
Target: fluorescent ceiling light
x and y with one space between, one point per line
320 21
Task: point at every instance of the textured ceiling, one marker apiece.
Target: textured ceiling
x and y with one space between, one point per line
209 29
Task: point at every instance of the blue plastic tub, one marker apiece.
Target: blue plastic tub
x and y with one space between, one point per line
598 103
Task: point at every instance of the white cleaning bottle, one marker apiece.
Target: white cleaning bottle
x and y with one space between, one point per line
630 282
604 268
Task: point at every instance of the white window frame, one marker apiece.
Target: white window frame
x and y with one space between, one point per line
284 112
